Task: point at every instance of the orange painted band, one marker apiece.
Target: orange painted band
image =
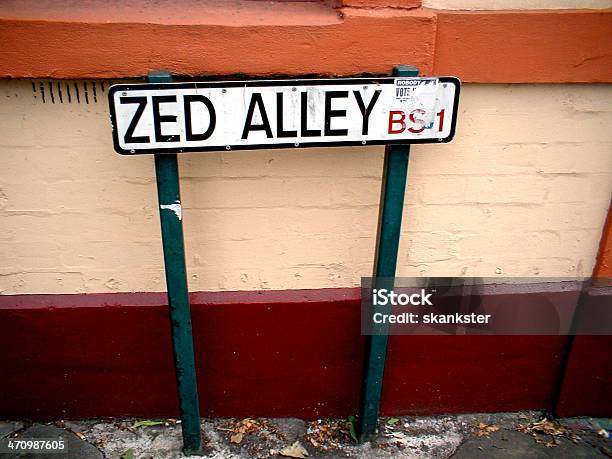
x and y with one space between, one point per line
526 46
548 46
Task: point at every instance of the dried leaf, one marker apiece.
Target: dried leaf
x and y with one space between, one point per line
146 423
352 427
329 433
237 437
484 429
295 450
245 426
547 427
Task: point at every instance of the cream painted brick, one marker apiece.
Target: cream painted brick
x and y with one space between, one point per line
112 280
65 125
303 277
478 189
271 252
42 281
534 114
88 161
67 195
564 159
581 239
501 218
448 218
573 189
559 217
79 229
280 192
235 224
430 247
435 160
263 252
112 255
523 189
91 127
31 256
230 224
526 245
322 162
519 158
353 222
487 266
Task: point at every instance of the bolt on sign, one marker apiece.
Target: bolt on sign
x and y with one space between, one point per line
244 115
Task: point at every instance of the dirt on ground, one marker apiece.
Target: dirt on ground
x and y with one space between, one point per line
499 435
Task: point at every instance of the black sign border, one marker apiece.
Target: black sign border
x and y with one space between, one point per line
262 83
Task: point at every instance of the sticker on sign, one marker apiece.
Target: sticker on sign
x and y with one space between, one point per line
244 115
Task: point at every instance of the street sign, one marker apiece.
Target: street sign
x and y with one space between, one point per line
245 115
165 117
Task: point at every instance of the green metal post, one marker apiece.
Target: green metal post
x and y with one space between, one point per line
395 173
170 212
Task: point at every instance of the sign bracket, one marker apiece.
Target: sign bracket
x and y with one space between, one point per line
393 189
170 212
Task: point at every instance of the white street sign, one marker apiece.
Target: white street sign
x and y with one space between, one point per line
242 115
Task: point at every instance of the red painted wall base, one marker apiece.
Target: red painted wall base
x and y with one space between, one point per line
292 353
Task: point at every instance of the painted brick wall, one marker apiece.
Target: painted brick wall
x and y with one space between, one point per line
523 190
